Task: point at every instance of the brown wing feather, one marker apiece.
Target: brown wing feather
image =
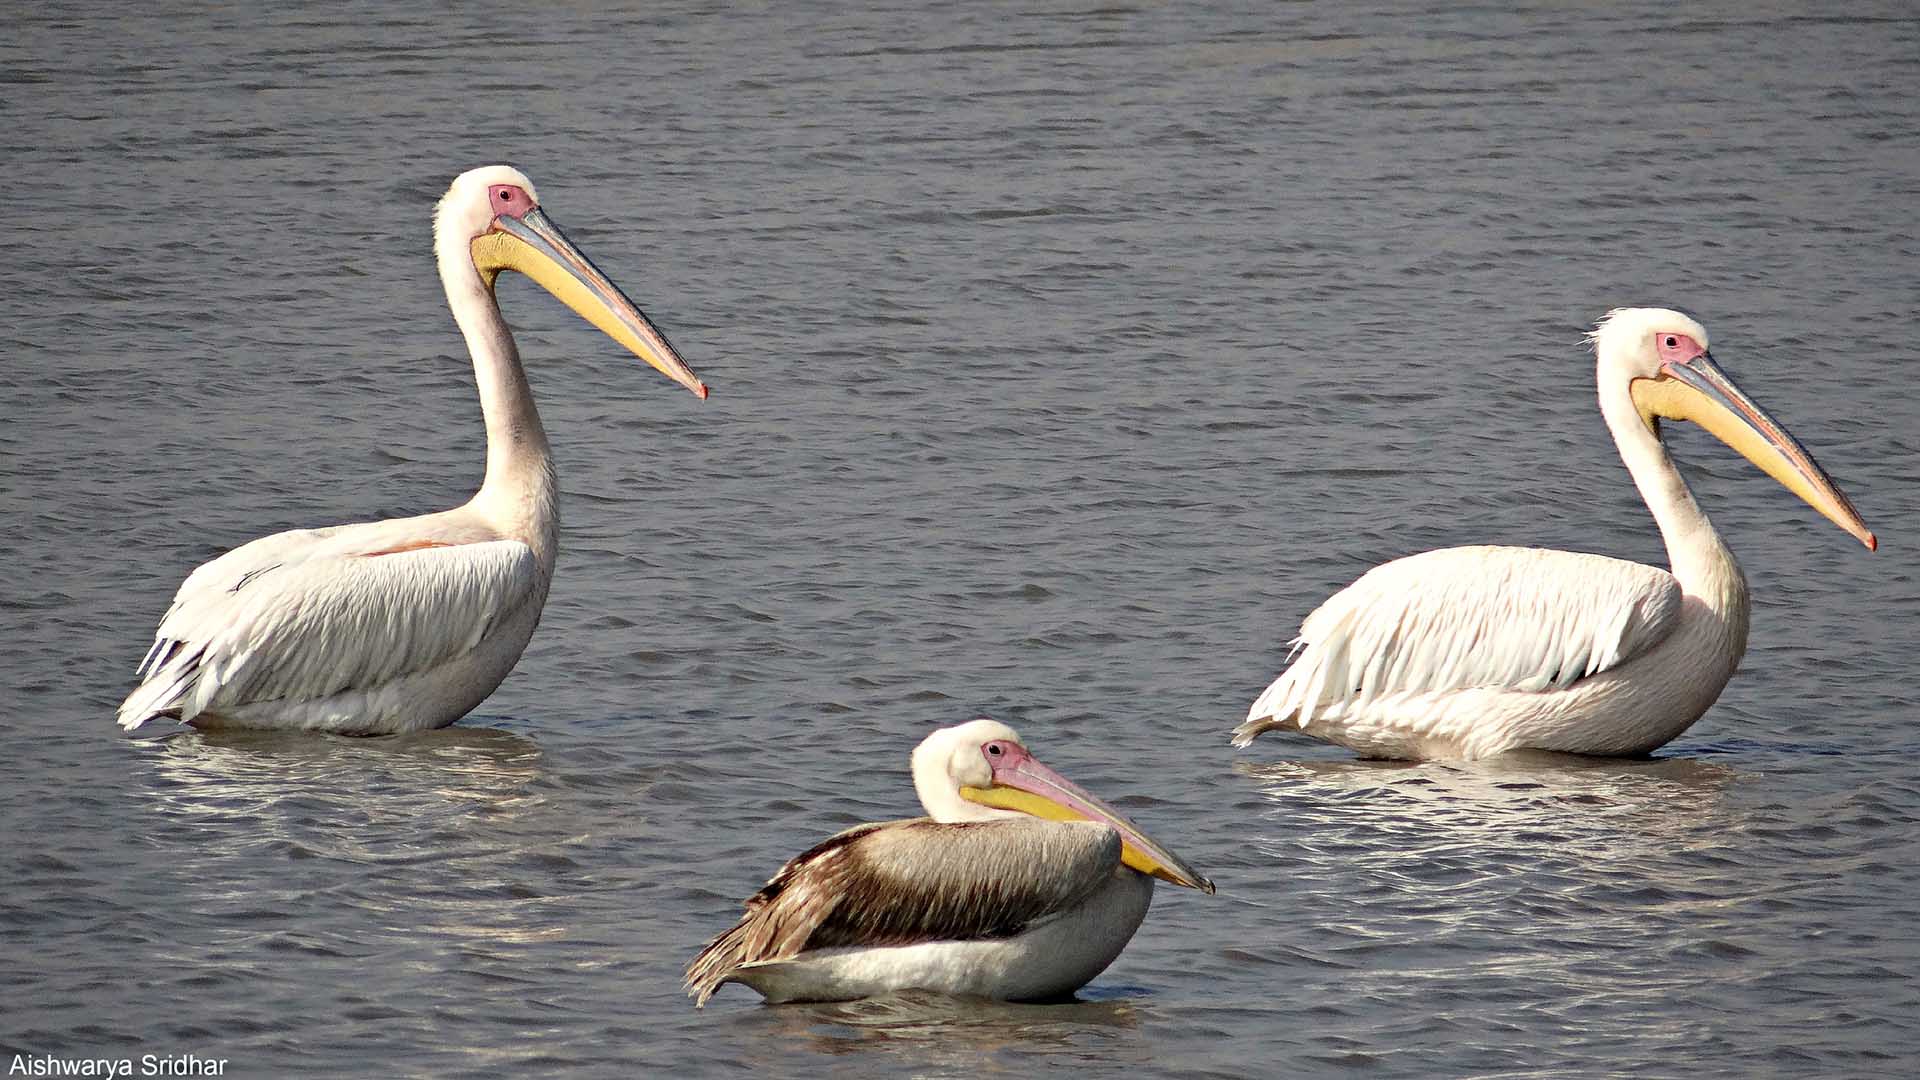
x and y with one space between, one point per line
905 882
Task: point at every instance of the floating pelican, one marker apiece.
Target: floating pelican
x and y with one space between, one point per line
399 625
1018 885
1471 651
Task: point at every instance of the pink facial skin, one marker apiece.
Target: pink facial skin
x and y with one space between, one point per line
1676 348
509 200
1003 754
1015 768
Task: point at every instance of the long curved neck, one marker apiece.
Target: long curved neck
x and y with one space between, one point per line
940 794
519 495
1700 560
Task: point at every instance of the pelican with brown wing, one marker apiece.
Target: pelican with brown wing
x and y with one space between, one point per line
1018 885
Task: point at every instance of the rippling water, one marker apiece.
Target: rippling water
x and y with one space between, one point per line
1063 358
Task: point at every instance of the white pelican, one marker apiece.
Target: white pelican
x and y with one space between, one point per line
399 625
1472 651
1018 885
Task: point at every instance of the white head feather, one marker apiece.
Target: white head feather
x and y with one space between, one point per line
464 211
1623 339
950 759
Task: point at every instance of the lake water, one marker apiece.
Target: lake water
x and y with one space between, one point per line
1063 358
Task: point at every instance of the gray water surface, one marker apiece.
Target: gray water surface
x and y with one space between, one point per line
1064 357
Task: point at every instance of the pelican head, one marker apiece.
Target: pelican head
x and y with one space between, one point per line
490 220
1661 356
981 771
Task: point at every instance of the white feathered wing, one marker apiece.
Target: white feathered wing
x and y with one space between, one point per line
1529 620
307 615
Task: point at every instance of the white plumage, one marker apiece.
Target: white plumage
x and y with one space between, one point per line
1474 616
1471 651
398 625
306 629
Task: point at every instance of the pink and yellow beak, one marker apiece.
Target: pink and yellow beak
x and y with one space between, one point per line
1698 390
1021 783
535 246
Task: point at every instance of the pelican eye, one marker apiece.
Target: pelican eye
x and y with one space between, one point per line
1672 342
995 749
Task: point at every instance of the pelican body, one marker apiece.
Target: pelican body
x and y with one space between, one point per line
399 625
1472 651
1018 885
